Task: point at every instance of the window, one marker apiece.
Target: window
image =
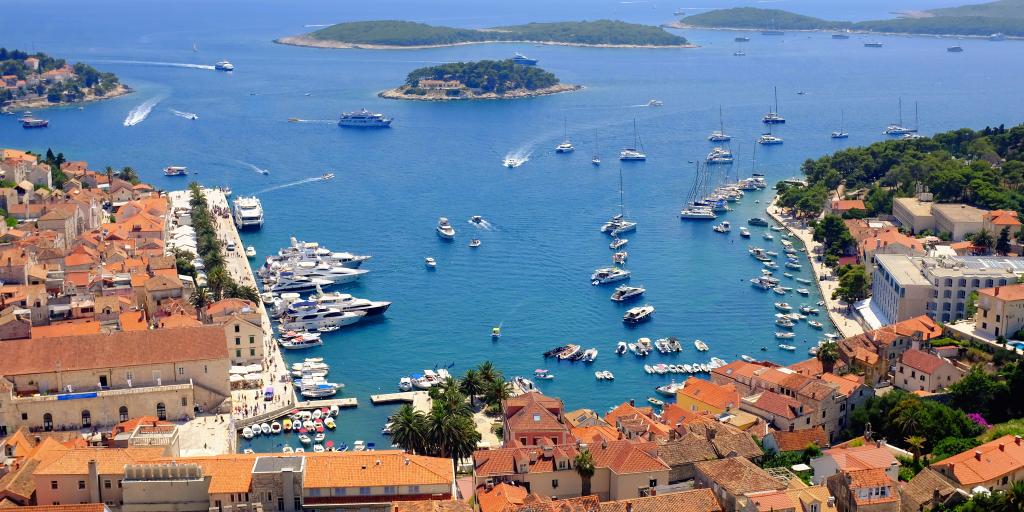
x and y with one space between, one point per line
119 484
238 341
127 375
390 490
252 339
161 411
237 328
122 413
81 484
364 491
238 353
414 489
280 503
653 482
53 484
960 294
48 423
554 483
297 503
181 370
184 401
340 491
314 492
252 352
86 419
106 484
24 416
947 294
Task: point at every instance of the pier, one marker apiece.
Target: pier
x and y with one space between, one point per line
407 397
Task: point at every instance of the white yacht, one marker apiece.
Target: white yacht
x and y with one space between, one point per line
345 302
566 146
720 135
445 229
897 129
719 156
321 318
697 213
364 119
769 139
618 225
636 152
773 116
248 212
608 275
224 66
334 274
655 103
638 314
175 170
625 293
288 282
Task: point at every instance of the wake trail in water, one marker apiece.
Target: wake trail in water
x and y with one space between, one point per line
255 169
141 112
154 63
186 115
518 156
315 25
312 121
290 184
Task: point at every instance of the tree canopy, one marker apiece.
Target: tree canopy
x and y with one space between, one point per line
496 76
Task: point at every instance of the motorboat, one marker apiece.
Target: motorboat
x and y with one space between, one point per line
769 139
747 358
784 323
757 221
783 306
589 355
638 314
595 160
430 263
873 44
306 340
293 283
265 429
608 275
790 348
620 257
29 122
341 301
250 252
223 66
655 103
617 243
248 212
840 36
719 156
625 293
700 345
320 318
319 390
816 324
175 170
739 53
785 335
655 402
670 388
744 232
444 229
359 445
364 119
621 348
247 433
511 162
569 351
608 375
275 427
741 39
694 212
405 384
803 291
327 176
519 58
721 228
495 332
477 220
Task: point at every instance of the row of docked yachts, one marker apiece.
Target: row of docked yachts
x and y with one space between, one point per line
705 204
690 368
310 378
426 380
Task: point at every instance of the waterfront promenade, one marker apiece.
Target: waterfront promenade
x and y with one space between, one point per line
841 316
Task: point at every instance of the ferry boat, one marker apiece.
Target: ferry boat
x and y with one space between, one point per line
519 58
364 119
248 212
32 122
224 66
175 170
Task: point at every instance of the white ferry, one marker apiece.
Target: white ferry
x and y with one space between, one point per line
224 66
364 119
248 212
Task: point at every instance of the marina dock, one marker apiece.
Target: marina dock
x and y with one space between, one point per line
407 397
342 403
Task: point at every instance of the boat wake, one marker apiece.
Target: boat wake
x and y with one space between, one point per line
153 63
187 115
311 121
317 25
257 170
483 224
517 157
291 184
141 112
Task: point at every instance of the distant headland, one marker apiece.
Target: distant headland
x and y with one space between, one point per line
1002 18
38 80
481 80
391 34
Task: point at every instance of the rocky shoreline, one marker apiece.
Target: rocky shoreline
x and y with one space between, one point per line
321 43
399 93
41 103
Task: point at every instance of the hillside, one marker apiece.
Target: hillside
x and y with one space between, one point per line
1005 16
38 80
407 34
485 79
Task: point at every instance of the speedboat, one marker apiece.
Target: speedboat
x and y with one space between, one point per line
444 229
495 332
769 139
747 358
670 388
757 221
784 323
655 402
608 275
722 228
327 176
431 263
474 242
510 162
621 348
596 160
477 219
816 324
783 306
638 314
655 103
785 335
790 348
405 384
631 154
175 170
617 243
247 433
744 232
625 293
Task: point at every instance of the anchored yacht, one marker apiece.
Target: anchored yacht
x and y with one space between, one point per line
248 212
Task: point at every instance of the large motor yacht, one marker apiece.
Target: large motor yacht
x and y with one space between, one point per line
320 318
608 275
445 229
364 119
248 212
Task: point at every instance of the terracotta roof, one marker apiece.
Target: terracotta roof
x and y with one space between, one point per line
120 349
737 370
109 461
162 283
920 490
133 321
596 433
81 507
868 479
848 204
620 456
848 383
721 397
811 367
855 458
639 420
1009 292
687 449
1002 218
178 321
65 329
378 468
1003 456
530 412
227 306
536 503
696 500
800 439
773 500
501 497
921 361
738 475
777 404
432 506
922 324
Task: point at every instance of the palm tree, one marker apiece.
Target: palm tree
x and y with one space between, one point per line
471 385
828 354
984 240
217 280
409 429
905 416
248 293
585 468
199 299
488 373
496 391
1014 497
451 435
452 401
916 444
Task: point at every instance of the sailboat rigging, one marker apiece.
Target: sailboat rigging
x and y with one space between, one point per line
636 152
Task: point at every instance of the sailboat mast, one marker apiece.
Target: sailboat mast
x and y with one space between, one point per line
915 117
776 99
622 203
901 112
721 123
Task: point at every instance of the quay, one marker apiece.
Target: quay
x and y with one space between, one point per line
282 411
392 398
342 403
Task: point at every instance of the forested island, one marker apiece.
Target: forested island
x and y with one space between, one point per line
1004 17
389 34
485 79
38 80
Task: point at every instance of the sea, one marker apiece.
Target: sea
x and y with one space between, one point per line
531 274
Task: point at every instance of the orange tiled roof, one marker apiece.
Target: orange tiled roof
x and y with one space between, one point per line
848 204
1002 456
1011 292
771 501
133 321
369 469
847 383
738 475
800 439
696 500
1002 218
867 456
721 397
921 361
176 321
65 329
500 497
109 461
596 433
779 405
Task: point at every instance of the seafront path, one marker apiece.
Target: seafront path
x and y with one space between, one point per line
838 313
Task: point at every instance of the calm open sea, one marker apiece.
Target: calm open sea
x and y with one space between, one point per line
531 275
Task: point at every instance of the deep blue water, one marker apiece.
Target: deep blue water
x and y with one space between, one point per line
531 274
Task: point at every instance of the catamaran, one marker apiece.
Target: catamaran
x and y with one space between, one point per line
566 146
618 224
636 152
841 134
720 135
773 117
897 129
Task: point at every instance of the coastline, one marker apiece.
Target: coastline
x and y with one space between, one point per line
398 94
41 103
838 314
679 25
340 45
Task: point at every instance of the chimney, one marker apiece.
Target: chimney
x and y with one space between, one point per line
1016 440
93 483
977 454
997 291
632 403
711 432
629 506
1002 447
936 497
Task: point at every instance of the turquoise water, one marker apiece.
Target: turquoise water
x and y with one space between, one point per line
531 275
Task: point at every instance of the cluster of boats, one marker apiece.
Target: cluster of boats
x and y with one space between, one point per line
709 196
643 346
310 425
311 378
690 368
573 352
445 231
425 380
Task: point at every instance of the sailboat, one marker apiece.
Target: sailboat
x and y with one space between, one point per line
768 138
195 47
841 134
595 160
635 153
897 129
565 146
720 135
773 116
696 207
619 224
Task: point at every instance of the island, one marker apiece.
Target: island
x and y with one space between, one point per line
481 80
393 34
37 81
997 19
